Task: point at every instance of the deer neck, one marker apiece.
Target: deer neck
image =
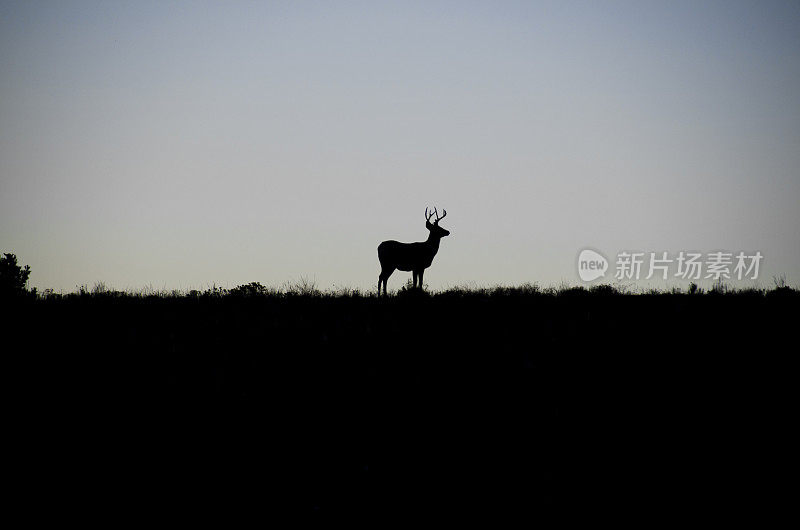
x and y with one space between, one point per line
433 242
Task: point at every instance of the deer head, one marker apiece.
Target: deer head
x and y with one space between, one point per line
436 230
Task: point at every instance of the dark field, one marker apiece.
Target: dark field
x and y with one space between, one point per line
512 402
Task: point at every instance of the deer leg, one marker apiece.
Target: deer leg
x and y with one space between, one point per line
384 276
420 278
414 273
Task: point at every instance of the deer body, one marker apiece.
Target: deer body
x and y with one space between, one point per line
413 257
408 256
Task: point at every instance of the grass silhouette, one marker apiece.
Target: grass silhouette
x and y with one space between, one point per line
518 400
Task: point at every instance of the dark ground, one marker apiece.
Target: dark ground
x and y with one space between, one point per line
538 406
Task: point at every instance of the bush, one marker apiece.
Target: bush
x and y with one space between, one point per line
250 289
604 289
13 278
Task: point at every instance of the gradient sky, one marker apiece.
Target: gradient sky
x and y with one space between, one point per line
180 144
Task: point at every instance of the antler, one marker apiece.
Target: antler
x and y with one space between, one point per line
428 217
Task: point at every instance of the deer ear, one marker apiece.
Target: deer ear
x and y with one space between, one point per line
428 225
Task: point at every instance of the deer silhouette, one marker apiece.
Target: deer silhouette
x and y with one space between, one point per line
414 257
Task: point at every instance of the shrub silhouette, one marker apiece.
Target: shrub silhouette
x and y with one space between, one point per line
604 289
13 278
250 289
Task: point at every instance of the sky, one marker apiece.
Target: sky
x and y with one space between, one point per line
180 145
